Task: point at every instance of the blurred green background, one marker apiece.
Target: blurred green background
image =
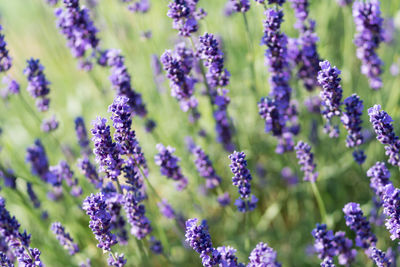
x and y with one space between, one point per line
285 215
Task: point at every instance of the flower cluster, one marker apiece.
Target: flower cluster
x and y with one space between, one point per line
367 17
76 25
63 172
306 160
5 59
331 95
140 224
169 167
38 85
81 134
263 255
49 125
382 124
239 5
380 258
391 200
242 179
64 238
36 156
185 14
324 243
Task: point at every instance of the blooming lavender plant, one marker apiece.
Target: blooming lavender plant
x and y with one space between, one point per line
380 177
344 249
263 256
324 242
242 179
5 58
185 14
306 160
367 17
64 238
76 25
140 224
169 167
331 95
38 85
81 134
391 198
382 124
63 172
36 156
380 258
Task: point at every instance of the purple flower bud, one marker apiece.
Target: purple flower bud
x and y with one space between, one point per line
166 209
306 160
36 156
38 85
205 168
63 172
239 5
5 59
117 260
64 238
5 261
227 257
32 195
263 256
12 85
89 171
324 242
391 200
49 125
224 199
156 246
135 212
380 177
81 134
327 262
346 254
141 6
380 258
185 14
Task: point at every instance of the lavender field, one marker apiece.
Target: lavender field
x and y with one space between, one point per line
258 133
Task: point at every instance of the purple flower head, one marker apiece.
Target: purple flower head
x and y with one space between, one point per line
380 177
77 27
121 80
114 207
106 151
135 212
289 176
227 257
5 261
346 254
184 14
324 241
224 199
5 58
89 171
351 119
198 237
117 260
391 208
331 95
166 209
32 195
169 167
36 156
306 160
156 246
367 17
328 262
100 220
274 122
63 172
223 125
49 125
209 51
38 85
239 5
300 11
205 167
140 6
380 258
344 2
64 238
81 134
12 86
263 256
356 221
9 178
182 85
382 124
242 179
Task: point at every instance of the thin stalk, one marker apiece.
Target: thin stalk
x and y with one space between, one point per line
320 202
251 61
119 188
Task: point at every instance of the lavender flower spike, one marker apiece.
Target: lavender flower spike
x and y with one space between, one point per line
359 224
36 156
38 85
199 239
391 200
185 14
64 238
367 17
306 160
241 6
136 216
380 177
263 256
380 258
117 261
169 165
5 59
382 124
100 220
76 25
331 95
81 134
324 243
242 179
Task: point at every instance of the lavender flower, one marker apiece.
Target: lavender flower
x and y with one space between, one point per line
8 177
38 85
380 258
268 111
63 172
391 198
36 156
5 261
205 167
306 160
156 246
169 165
224 199
380 177
5 59
327 262
140 6
343 245
182 85
242 179
344 2
166 209
184 14
300 11
105 150
227 257
76 25
140 225
382 124
89 171
240 5
81 134
117 260
100 220
367 17
263 256
358 223
114 203
121 80
49 125
64 238
198 237
328 78
324 242
32 195
223 125
52 2
12 86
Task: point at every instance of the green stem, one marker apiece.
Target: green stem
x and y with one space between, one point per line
251 61
119 188
320 202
